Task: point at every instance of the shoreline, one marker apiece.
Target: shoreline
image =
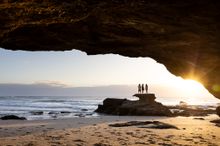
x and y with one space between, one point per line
41 107
10 128
98 132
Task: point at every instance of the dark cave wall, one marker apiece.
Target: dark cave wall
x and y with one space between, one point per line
183 35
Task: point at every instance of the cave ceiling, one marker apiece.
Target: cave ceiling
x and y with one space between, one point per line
184 35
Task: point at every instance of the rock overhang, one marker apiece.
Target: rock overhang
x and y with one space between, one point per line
183 35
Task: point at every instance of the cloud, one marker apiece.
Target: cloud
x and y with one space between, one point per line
51 83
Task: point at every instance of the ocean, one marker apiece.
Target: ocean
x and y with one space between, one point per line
49 107
52 107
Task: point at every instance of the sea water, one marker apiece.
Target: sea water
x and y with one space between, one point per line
52 107
49 107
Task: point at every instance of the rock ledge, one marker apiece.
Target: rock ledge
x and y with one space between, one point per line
145 106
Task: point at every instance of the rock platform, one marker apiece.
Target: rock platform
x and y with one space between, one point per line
145 106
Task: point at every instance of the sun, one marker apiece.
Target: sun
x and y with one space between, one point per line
195 93
194 87
189 85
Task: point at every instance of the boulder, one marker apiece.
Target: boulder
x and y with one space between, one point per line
127 107
53 113
12 117
37 112
65 112
217 122
218 111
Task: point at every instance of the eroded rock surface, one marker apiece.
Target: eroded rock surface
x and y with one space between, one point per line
182 34
139 107
190 111
217 122
145 124
12 117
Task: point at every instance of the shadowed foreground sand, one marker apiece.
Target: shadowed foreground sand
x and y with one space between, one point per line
191 132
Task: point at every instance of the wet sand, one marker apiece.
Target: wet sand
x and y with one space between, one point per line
97 132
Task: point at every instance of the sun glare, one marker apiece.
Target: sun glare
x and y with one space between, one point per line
193 86
194 91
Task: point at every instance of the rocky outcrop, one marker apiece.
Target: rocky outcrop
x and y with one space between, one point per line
181 34
110 106
218 110
12 117
128 107
217 122
37 112
187 111
145 124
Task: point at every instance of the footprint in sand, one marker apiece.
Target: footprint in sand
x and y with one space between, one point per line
169 136
78 140
151 141
165 144
30 144
143 143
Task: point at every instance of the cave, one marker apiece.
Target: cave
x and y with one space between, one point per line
183 35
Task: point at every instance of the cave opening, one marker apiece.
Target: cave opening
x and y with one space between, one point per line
167 51
118 75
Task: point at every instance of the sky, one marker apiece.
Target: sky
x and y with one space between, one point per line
21 70
75 68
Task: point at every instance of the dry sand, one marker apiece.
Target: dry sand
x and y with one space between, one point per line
97 132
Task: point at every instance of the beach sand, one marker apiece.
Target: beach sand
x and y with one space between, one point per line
97 132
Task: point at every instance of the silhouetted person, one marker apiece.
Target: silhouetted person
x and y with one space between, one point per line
146 88
139 88
142 89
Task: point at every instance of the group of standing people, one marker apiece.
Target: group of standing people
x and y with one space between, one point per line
141 88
